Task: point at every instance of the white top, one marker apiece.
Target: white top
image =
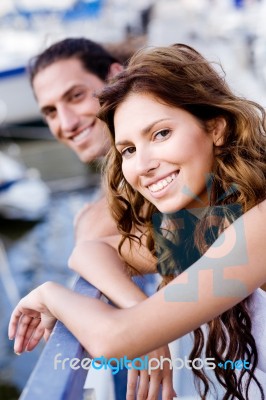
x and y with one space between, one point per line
258 316
183 380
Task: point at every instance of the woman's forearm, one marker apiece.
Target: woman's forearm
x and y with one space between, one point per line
88 319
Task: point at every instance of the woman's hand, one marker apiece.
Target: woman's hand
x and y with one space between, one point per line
30 321
142 385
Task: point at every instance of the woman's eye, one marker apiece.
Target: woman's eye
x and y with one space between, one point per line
128 151
162 134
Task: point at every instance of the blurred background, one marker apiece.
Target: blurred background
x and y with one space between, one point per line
36 234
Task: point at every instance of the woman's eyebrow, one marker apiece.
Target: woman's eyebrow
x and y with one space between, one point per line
144 131
122 143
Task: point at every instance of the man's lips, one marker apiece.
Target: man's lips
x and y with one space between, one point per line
162 183
83 134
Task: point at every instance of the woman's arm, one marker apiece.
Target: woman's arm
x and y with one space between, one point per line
160 319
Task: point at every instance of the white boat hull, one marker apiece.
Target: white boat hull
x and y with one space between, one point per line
17 103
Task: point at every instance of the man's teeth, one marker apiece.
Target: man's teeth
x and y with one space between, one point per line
155 187
81 135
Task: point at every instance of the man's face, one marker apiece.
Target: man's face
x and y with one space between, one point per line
65 92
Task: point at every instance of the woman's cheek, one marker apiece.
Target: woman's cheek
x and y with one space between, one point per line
128 173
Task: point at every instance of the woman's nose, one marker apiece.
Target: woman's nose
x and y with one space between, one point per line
145 162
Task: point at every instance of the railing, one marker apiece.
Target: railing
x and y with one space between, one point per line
61 383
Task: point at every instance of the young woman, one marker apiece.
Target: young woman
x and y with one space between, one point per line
182 142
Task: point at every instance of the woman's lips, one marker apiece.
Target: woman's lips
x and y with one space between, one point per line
163 183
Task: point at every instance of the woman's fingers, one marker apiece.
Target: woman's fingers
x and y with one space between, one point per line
155 384
46 334
168 391
24 331
132 381
147 383
161 379
35 338
48 322
143 385
13 323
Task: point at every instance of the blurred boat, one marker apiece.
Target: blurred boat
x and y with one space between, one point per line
17 103
24 34
23 195
64 9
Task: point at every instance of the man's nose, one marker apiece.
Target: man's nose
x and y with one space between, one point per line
146 162
68 118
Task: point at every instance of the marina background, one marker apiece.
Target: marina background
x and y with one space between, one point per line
33 250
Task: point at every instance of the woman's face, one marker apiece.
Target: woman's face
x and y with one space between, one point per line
166 153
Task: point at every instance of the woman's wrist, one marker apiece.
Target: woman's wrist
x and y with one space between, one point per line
50 297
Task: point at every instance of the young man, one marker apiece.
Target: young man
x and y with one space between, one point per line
65 79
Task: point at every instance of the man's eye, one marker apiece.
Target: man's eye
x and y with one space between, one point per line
128 151
49 113
78 95
162 134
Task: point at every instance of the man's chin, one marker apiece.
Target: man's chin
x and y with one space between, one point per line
89 158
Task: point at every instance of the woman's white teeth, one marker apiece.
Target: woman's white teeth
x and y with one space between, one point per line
81 135
155 187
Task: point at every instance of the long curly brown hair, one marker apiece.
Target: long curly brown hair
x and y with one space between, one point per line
179 76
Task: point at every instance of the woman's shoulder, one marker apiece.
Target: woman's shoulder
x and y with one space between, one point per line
259 294
257 303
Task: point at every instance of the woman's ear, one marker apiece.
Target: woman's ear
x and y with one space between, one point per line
115 69
219 125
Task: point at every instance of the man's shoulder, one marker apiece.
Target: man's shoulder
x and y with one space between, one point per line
94 221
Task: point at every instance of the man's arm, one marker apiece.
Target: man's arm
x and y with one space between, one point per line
95 223
100 264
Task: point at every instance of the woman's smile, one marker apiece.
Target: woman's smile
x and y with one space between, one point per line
159 189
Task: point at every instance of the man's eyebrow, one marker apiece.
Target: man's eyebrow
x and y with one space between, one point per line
63 96
44 109
144 131
71 88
